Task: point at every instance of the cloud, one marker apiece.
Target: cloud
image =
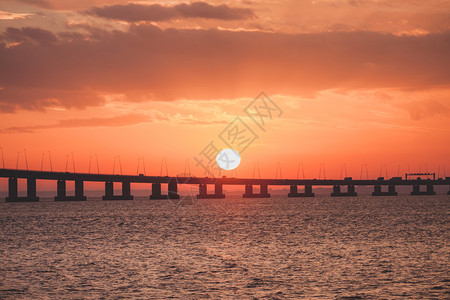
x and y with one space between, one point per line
127 119
155 12
424 109
117 121
40 3
37 35
147 63
4 15
30 96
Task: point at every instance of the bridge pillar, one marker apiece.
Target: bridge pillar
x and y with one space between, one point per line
109 191
13 191
429 190
248 191
203 192
79 190
218 190
351 189
391 190
308 191
337 191
173 190
31 189
126 190
60 189
416 190
263 192
376 190
293 191
61 192
156 192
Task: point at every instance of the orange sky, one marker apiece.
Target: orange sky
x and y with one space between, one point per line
358 82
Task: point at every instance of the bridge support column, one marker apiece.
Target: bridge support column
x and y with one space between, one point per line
391 190
126 190
61 192
173 190
429 191
13 191
79 190
109 191
248 191
308 191
31 189
337 191
156 192
293 192
263 192
203 192
377 191
218 191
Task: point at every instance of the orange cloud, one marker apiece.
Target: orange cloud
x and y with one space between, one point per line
12 16
147 63
155 12
426 109
124 120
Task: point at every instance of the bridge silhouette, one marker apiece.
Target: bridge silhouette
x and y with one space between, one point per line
382 187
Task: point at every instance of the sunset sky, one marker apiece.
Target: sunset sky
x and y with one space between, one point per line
357 82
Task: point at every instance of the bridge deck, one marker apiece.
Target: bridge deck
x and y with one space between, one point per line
46 175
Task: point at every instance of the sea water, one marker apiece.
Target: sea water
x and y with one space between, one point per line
277 248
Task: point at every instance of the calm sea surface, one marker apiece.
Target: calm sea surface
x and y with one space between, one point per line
278 248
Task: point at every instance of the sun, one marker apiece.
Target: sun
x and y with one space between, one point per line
228 159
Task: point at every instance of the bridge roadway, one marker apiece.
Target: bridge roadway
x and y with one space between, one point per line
173 182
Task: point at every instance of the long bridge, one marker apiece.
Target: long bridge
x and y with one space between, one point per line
382 187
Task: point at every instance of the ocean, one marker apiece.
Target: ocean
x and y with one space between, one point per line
277 248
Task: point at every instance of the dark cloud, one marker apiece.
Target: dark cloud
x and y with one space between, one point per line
139 12
33 97
40 3
37 35
146 63
207 11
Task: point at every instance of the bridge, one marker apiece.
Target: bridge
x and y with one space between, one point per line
344 187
